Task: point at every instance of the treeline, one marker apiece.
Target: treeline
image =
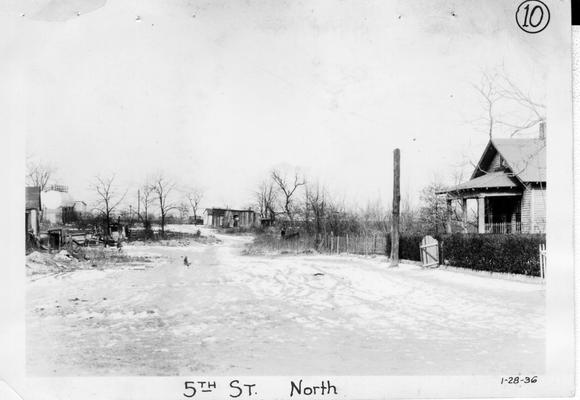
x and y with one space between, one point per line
157 200
287 199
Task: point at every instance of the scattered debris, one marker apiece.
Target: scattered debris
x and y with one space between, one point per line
39 258
64 255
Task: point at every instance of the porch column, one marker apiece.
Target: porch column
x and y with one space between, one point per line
464 214
449 211
481 214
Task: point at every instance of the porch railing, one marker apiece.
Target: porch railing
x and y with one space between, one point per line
503 227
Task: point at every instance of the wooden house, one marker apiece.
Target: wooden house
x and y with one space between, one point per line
229 218
509 184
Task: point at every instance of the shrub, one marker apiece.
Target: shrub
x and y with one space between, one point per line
408 247
515 254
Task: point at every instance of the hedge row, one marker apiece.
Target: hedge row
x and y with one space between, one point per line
408 247
515 254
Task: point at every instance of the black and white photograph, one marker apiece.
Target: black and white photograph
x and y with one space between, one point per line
280 190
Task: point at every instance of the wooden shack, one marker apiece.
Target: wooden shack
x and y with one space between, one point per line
229 218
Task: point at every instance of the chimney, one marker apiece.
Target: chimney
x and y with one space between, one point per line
542 134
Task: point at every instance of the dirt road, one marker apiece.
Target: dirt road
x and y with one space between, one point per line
232 314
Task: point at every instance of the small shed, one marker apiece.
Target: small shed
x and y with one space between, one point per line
229 218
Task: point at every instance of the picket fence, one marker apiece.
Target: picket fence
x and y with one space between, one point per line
543 261
331 244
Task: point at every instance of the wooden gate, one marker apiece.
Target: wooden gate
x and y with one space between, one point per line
429 252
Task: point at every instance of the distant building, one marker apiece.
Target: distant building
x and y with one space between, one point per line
59 207
509 183
229 218
80 207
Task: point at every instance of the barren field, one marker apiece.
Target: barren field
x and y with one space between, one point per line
229 313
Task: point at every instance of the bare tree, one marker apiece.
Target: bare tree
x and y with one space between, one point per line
490 95
536 111
316 204
108 198
433 212
375 217
146 199
183 209
506 105
163 187
194 197
288 187
266 198
38 174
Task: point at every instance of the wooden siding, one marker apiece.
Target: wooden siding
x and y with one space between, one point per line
227 218
495 163
527 211
539 196
534 210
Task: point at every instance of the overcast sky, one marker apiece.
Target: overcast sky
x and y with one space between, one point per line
216 93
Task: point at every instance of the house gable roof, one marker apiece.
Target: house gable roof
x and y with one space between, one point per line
526 158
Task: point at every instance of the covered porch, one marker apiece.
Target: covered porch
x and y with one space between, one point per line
497 212
498 204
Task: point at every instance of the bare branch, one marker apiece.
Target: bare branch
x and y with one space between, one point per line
288 188
163 187
38 174
108 198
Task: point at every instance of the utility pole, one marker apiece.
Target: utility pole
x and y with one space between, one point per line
396 208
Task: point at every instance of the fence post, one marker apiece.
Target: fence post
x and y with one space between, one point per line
542 260
365 244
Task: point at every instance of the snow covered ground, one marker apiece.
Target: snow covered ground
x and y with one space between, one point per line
257 315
